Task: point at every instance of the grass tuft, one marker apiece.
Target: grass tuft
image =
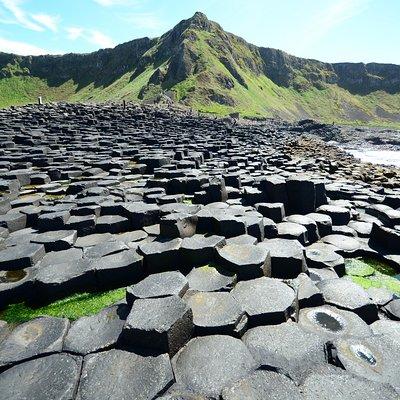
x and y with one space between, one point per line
72 307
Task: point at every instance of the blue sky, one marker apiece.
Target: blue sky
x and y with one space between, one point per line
328 30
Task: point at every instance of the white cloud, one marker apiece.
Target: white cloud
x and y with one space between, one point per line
36 22
11 46
49 21
90 35
336 13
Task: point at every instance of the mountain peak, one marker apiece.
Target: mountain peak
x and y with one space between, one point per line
199 21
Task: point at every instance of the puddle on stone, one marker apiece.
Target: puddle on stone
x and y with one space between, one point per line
328 321
364 353
12 276
368 272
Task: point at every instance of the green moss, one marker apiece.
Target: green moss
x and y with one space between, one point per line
72 307
187 201
368 273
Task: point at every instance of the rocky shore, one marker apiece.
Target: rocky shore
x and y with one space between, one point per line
244 249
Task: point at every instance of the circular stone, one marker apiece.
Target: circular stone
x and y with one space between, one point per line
206 365
209 279
118 374
286 346
265 300
376 358
322 255
326 382
263 385
330 322
47 378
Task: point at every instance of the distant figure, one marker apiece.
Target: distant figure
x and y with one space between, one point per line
40 101
124 104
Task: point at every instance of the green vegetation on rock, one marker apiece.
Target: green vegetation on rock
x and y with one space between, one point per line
201 66
72 307
368 272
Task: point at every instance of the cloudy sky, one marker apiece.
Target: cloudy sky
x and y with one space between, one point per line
328 30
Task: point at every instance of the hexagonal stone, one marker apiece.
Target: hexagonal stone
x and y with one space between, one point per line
345 245
105 249
301 195
162 324
307 293
339 215
265 300
216 313
322 255
242 239
274 211
363 229
52 221
21 256
247 261
286 346
287 258
291 230
331 322
141 214
164 284
200 250
210 278
206 365
56 240
47 378
260 385
308 223
228 225
178 225
96 332
327 382
59 257
92 240
323 221
59 280
120 269
34 338
118 374
161 255
347 295
376 358
112 224
13 221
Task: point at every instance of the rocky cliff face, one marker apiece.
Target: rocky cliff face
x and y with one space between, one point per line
210 69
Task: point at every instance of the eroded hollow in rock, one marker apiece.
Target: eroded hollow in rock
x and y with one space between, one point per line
329 321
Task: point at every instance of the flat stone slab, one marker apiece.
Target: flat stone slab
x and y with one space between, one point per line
164 284
265 300
246 261
207 365
286 346
216 313
118 374
34 338
47 378
21 256
56 240
210 278
96 332
261 385
327 382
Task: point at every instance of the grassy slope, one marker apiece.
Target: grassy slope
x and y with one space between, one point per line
262 98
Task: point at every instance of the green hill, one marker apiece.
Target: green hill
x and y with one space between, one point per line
200 65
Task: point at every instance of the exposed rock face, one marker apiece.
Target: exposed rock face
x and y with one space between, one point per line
200 64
